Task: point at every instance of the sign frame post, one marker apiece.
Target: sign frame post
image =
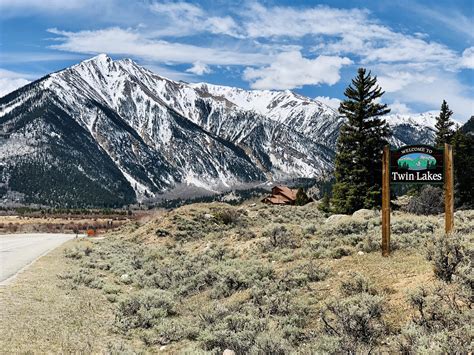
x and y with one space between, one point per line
386 201
448 189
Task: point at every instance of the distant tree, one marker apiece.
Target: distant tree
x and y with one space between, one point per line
463 149
358 169
444 131
325 205
301 198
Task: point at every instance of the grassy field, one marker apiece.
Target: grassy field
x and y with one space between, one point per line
254 279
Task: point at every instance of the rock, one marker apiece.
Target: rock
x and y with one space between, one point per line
360 252
252 205
163 347
336 218
365 213
125 278
208 216
228 352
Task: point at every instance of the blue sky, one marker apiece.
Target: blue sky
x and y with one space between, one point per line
421 51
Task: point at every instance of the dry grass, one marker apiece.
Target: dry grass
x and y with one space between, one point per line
39 315
77 311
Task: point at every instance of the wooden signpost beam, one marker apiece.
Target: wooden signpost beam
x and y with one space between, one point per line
448 189
386 201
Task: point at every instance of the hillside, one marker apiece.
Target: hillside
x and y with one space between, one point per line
254 279
107 133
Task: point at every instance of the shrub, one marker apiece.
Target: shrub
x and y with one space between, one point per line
74 253
236 276
267 343
442 322
340 251
355 284
312 271
228 216
233 329
170 330
356 321
162 233
446 253
279 237
144 309
429 201
84 277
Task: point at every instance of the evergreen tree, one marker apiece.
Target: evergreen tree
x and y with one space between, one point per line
463 149
325 205
443 125
301 198
358 168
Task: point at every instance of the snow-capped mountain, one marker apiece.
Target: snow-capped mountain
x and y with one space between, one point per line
106 132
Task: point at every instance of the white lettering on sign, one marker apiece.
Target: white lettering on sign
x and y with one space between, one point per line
420 176
417 149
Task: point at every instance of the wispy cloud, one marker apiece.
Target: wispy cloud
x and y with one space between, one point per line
451 18
133 42
11 8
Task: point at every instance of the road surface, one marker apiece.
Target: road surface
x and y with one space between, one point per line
17 251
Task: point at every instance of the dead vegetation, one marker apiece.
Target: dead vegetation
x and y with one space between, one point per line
264 279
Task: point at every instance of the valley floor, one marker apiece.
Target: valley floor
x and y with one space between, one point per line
208 277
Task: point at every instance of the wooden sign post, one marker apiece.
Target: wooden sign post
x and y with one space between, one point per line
416 164
386 201
448 189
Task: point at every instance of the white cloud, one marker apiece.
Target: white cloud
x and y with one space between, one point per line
397 107
199 68
345 31
278 21
467 59
290 70
393 81
133 43
432 93
8 85
332 102
10 81
184 19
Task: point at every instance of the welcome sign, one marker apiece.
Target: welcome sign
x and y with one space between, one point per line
417 164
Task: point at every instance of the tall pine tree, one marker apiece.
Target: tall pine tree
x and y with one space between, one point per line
463 146
444 131
358 169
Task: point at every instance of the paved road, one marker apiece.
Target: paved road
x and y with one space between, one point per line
18 251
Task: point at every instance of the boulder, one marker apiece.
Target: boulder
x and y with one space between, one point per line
365 213
336 218
228 352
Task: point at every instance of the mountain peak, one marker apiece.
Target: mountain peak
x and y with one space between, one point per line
102 57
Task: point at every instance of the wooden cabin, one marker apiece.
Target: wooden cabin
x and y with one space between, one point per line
281 195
